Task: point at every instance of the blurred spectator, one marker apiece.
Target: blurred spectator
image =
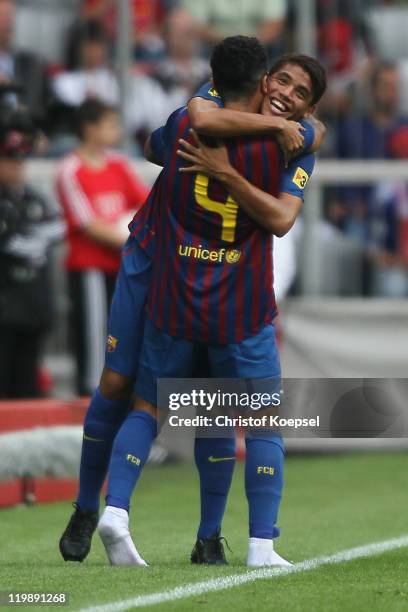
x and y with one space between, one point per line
21 67
28 228
147 107
217 19
390 275
366 135
183 71
148 16
342 34
388 23
391 227
88 76
41 27
97 190
345 48
382 18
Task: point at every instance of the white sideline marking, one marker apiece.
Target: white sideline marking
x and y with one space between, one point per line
228 582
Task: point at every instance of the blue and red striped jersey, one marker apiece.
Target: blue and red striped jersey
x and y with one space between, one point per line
143 225
212 272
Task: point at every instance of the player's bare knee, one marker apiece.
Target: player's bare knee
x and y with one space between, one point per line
144 406
115 386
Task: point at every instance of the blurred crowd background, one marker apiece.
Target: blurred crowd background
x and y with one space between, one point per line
61 54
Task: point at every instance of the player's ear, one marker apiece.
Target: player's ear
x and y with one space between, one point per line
309 111
264 84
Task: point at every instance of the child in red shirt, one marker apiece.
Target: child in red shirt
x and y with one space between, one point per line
97 190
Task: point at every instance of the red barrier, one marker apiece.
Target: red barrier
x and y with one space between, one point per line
27 414
11 493
44 490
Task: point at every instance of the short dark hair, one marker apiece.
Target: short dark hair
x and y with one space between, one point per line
238 63
80 34
311 66
91 111
92 30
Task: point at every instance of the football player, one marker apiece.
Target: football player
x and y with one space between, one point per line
212 287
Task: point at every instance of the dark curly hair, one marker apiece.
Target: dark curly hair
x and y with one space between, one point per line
311 66
238 63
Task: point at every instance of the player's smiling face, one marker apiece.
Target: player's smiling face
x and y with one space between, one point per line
289 93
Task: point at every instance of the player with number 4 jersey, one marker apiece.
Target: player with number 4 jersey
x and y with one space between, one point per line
208 293
214 256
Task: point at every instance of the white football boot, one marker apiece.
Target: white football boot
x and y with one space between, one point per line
113 527
261 553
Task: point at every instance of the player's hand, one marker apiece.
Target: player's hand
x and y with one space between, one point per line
212 161
291 139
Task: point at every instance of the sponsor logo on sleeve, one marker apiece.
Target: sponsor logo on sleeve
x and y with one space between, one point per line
213 92
111 344
300 178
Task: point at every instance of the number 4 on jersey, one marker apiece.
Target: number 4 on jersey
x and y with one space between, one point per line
228 210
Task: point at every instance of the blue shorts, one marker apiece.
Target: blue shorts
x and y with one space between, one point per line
127 313
164 356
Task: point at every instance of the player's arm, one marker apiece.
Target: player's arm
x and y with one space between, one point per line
154 148
319 133
313 134
209 119
149 153
159 141
277 215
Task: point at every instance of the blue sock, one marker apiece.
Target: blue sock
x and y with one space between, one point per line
215 480
102 422
129 454
263 482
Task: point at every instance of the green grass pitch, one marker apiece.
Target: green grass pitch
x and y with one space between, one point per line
331 503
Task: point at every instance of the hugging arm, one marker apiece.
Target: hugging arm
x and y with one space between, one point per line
276 215
209 119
